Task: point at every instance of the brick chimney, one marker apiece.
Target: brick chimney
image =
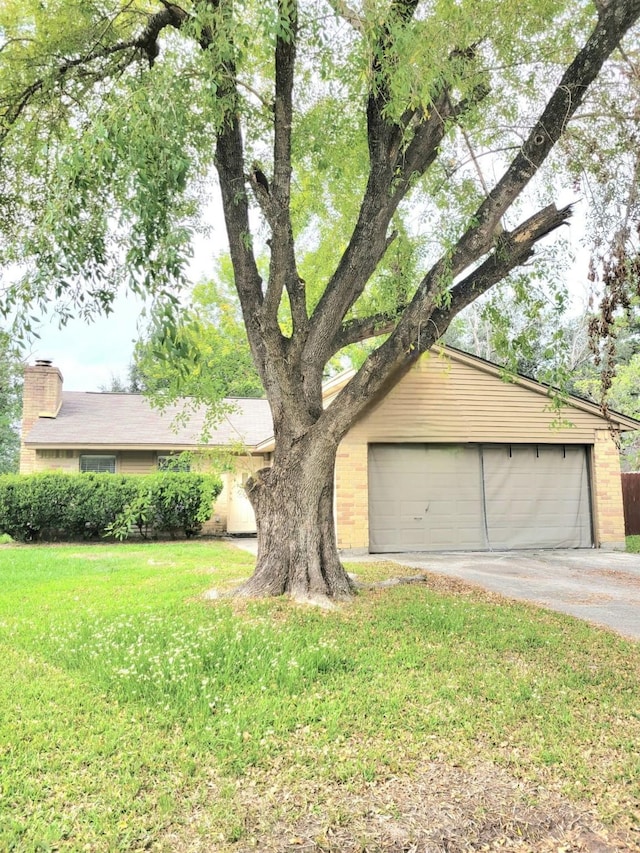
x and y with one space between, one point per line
41 398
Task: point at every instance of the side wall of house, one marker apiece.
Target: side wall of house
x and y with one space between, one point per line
445 400
68 461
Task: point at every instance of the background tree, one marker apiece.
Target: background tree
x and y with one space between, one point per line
219 361
132 383
604 156
10 405
528 330
210 331
345 138
620 390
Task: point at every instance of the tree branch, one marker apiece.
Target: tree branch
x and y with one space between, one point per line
611 27
424 147
345 12
408 342
229 164
364 328
265 103
283 270
367 245
565 100
144 44
512 250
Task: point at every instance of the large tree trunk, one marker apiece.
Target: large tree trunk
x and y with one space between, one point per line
293 504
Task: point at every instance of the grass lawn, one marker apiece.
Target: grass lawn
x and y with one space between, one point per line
633 544
137 715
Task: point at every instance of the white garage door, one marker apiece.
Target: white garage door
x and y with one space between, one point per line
473 497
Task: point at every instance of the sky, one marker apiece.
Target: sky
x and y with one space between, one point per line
88 354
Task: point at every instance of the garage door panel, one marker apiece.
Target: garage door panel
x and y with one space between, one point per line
412 510
537 496
416 482
438 497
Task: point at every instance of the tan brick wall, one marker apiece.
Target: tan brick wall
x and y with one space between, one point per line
352 493
607 492
42 395
136 462
28 464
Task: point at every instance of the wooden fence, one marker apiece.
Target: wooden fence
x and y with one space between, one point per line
631 500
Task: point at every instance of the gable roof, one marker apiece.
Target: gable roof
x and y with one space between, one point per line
447 354
95 419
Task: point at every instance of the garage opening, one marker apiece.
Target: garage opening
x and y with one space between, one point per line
426 497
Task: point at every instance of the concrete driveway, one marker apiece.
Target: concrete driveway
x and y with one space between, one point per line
598 586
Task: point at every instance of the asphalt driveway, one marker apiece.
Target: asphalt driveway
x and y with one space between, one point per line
598 586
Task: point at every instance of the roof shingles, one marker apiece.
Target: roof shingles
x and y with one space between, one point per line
89 419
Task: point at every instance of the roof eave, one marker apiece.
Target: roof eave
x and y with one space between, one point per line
115 448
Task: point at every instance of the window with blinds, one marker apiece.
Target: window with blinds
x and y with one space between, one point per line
98 464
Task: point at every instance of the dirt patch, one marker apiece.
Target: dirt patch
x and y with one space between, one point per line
593 598
398 575
628 579
440 808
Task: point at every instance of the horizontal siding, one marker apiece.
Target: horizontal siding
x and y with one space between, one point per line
441 399
136 462
57 460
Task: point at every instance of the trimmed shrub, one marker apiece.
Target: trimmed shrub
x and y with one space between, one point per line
71 506
182 501
169 502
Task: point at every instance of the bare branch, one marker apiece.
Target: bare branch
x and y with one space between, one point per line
344 11
8 42
283 270
265 103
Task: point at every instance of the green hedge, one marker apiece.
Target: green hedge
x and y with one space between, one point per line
71 506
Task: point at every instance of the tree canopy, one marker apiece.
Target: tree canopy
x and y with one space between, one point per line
217 359
10 405
380 165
